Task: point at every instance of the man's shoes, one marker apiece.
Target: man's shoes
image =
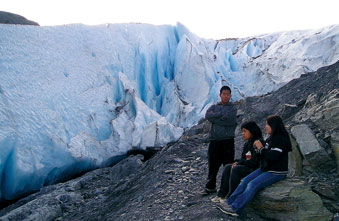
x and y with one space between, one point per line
218 199
225 208
207 191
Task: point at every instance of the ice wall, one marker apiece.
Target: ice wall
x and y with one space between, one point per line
72 97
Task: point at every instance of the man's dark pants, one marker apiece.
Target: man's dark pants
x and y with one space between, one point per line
219 152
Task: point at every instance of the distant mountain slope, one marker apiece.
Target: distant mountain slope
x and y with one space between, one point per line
11 18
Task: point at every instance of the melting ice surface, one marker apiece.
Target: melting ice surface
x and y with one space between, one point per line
74 97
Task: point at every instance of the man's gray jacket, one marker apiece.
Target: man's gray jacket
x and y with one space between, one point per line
223 119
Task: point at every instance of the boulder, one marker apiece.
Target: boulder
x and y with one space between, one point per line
289 199
310 148
125 168
40 209
197 129
45 206
295 161
335 145
203 127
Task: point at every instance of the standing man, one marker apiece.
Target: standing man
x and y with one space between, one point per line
221 148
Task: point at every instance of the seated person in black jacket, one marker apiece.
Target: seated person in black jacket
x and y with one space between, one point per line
249 161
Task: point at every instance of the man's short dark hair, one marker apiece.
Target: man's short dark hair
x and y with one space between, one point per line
225 88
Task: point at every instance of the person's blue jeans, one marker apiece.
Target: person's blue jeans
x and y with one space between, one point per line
249 186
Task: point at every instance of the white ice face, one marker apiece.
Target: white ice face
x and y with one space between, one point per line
72 97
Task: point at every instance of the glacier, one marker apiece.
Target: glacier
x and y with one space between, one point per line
75 97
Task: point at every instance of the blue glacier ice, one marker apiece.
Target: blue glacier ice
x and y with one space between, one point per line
75 97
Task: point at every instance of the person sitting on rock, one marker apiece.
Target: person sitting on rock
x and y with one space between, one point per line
233 173
273 167
221 147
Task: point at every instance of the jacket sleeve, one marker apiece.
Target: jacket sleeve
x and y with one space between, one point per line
211 115
227 119
271 154
252 163
275 150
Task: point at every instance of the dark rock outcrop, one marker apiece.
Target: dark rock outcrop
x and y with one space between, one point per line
125 168
310 148
295 161
147 153
291 98
290 199
10 18
323 112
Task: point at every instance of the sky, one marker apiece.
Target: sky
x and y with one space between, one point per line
215 19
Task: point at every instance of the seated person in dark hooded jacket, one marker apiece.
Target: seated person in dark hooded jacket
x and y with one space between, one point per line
233 173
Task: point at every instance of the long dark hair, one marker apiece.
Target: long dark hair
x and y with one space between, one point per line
278 129
253 128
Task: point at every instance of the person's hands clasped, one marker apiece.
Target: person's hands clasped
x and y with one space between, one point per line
234 164
257 144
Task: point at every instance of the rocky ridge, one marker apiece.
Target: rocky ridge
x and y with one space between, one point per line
11 18
166 187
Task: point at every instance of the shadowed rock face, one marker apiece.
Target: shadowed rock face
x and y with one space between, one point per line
323 112
166 187
310 148
10 18
290 199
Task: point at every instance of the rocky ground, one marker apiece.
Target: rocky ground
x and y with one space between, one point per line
166 187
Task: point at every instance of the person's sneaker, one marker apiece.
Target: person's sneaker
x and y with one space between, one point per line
207 191
224 203
218 199
225 208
